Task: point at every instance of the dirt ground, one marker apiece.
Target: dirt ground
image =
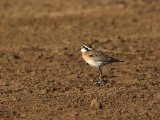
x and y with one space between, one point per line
42 77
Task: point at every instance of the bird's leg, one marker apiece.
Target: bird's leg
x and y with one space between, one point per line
100 77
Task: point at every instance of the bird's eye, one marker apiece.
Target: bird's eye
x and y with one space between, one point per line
86 48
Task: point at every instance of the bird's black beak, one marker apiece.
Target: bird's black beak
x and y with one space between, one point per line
78 50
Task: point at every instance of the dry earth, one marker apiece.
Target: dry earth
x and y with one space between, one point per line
42 77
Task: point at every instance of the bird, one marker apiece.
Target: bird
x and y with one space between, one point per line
96 58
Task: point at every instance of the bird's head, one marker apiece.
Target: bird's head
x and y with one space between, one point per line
85 48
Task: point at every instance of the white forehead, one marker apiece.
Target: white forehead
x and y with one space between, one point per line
86 46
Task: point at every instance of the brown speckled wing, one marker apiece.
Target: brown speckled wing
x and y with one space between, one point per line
100 56
97 55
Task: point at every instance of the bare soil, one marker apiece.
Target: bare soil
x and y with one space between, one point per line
42 77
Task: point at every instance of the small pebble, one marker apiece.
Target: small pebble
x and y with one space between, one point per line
95 104
158 95
42 92
22 115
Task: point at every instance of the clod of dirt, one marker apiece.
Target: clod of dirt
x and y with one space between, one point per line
65 48
3 83
16 56
155 70
44 91
107 110
158 95
33 73
22 115
95 104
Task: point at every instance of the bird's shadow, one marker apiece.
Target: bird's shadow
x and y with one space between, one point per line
104 80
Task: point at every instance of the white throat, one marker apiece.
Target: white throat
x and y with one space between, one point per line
83 50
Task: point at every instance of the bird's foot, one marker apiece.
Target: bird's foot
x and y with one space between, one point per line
100 81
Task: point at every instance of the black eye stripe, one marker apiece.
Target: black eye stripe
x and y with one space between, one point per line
86 47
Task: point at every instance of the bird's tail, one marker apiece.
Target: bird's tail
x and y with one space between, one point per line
120 61
115 60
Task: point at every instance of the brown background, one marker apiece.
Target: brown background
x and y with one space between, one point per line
42 77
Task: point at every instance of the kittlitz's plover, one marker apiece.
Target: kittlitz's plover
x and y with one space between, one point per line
96 58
